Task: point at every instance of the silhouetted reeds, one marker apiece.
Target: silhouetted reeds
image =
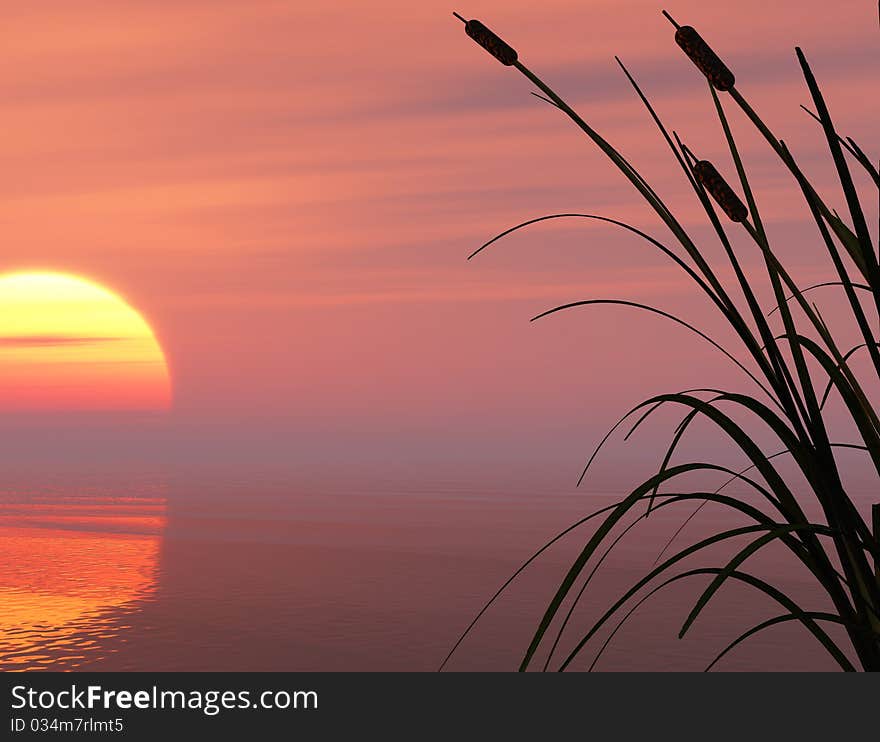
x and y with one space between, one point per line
841 551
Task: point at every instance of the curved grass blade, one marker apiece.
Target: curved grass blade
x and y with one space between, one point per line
786 502
859 286
657 406
558 537
676 437
860 410
814 615
761 585
786 617
741 557
632 430
597 538
730 481
830 384
736 504
742 507
659 245
792 511
667 315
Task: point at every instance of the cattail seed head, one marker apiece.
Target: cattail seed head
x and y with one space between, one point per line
706 60
491 42
723 194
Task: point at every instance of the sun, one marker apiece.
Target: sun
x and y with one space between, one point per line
67 343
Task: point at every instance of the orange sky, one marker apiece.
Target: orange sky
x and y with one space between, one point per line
287 191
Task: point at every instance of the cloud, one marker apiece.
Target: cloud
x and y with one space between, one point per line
50 341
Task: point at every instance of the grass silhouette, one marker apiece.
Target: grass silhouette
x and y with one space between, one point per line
842 552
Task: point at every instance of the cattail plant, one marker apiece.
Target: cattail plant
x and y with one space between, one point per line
841 549
701 54
711 180
490 41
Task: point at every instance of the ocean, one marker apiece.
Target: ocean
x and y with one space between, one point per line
351 572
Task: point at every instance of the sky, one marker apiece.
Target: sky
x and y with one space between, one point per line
287 192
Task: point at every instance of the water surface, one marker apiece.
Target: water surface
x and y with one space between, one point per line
173 572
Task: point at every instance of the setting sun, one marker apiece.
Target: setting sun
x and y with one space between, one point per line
69 344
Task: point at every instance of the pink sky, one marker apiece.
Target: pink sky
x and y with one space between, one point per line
288 192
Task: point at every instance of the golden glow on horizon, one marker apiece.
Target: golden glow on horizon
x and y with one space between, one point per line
67 343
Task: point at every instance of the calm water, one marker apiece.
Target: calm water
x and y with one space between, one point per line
317 573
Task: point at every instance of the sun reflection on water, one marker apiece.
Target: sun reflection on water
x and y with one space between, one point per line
72 569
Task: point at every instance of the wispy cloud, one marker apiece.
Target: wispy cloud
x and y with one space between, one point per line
50 341
288 191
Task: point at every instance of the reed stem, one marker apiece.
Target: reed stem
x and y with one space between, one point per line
875 513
